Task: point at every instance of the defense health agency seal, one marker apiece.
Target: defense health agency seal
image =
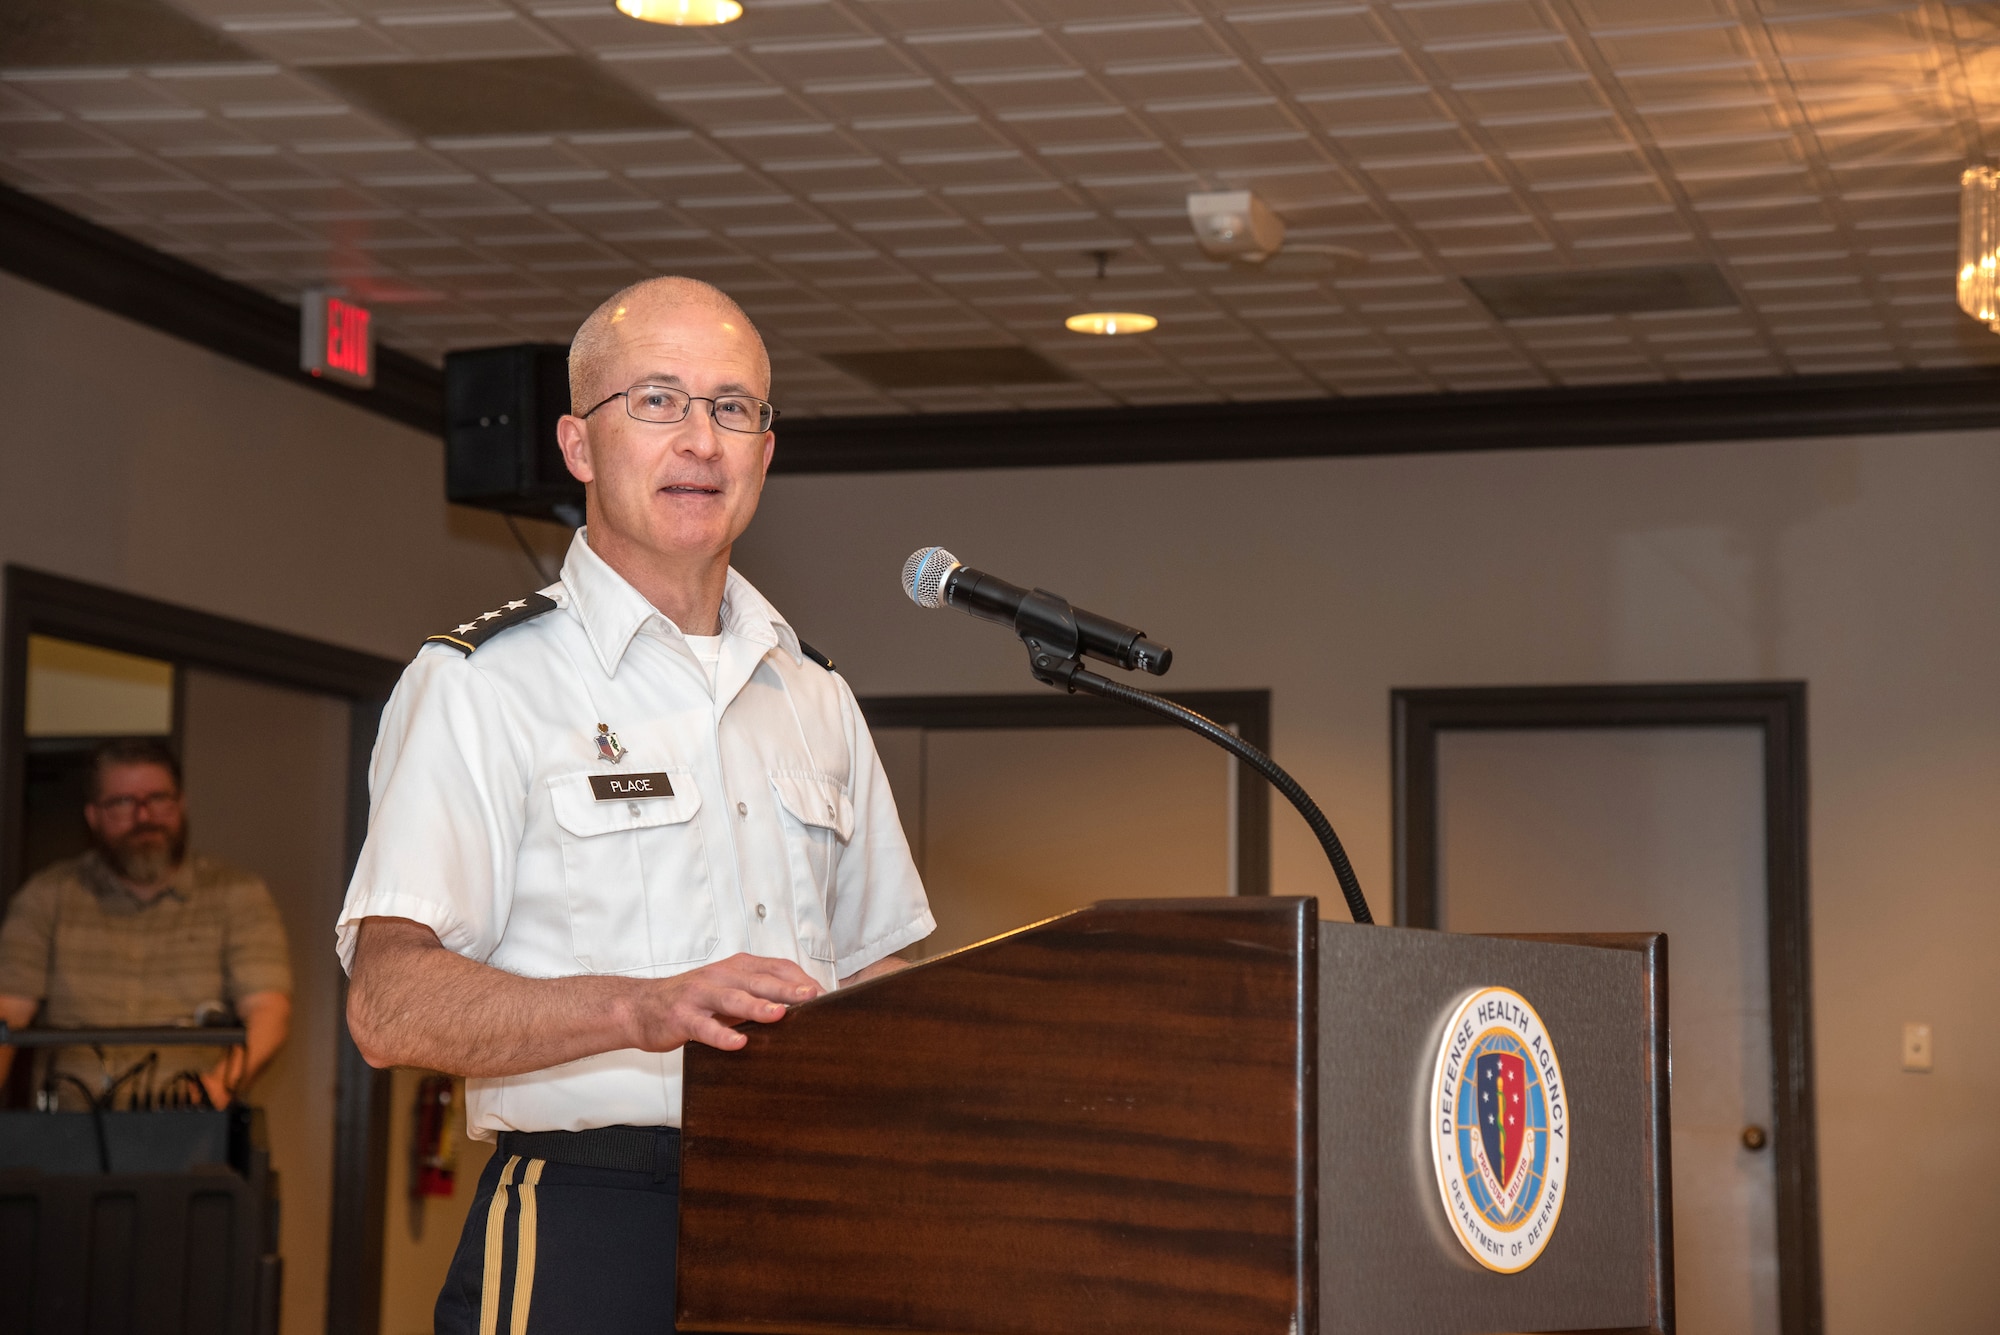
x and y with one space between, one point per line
1500 1130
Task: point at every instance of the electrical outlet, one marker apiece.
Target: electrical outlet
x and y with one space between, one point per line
1916 1046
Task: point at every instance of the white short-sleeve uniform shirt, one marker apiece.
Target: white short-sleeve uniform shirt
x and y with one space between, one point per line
780 837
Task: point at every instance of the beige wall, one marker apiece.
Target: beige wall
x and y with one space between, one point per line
267 790
132 459
421 1233
1868 567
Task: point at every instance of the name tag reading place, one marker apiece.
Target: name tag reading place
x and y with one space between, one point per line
629 787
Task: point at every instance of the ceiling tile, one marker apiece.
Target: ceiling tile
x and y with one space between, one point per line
1409 105
465 33
1719 43
1142 81
797 63
1698 155
1703 121
1585 132
1034 90
1320 27
1574 93
311 37
1241 160
989 51
1110 42
1509 58
903 95
1726 84
1209 116
1876 31
1434 22
1343 71
1649 13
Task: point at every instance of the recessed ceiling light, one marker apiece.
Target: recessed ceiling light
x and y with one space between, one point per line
1111 322
683 13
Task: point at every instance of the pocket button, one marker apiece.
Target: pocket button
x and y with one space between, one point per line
632 807
742 808
760 912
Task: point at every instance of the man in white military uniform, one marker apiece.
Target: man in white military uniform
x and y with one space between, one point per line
619 816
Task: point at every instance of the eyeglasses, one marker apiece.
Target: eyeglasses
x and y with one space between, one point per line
665 404
133 806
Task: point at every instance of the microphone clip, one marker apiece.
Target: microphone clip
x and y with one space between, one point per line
1051 668
1047 625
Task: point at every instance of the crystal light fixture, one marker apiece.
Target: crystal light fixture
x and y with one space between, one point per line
683 13
1979 245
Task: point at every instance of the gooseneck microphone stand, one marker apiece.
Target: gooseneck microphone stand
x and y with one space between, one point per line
1047 626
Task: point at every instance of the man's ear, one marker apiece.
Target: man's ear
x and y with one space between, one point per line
574 438
92 818
770 448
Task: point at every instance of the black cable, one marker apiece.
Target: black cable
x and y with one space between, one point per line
528 551
1350 886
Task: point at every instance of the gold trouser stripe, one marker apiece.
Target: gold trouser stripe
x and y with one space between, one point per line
524 1250
496 1237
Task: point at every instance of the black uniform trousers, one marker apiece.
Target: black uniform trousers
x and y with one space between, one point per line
559 1243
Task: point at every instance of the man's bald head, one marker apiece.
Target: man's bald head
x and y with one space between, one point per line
594 350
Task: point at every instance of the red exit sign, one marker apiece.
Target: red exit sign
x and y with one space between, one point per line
336 339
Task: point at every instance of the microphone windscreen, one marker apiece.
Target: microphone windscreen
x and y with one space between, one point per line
924 575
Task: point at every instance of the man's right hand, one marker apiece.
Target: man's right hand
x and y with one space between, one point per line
411 1002
701 1005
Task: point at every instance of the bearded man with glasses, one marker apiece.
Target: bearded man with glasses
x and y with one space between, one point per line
138 933
612 818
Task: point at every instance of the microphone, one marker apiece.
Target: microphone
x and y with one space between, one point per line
933 577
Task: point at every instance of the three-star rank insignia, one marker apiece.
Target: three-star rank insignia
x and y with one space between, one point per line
478 630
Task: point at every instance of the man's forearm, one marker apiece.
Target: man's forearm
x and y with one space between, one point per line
411 1002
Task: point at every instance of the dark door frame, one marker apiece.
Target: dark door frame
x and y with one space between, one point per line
1778 710
38 603
1248 712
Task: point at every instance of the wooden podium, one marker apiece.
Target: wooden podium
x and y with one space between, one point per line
1198 1117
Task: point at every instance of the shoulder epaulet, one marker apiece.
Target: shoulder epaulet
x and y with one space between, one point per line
478 630
817 657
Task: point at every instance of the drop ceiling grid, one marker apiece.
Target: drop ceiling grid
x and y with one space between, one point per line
917 174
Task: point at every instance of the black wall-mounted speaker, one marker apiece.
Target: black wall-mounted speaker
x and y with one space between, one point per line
500 451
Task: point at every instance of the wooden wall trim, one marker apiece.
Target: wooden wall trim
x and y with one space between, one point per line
1647 414
1778 710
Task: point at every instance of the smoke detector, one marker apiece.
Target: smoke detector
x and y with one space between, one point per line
1235 225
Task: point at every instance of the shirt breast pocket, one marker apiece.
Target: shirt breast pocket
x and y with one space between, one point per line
818 819
636 874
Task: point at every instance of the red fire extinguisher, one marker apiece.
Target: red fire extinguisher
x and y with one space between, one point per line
433 1149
